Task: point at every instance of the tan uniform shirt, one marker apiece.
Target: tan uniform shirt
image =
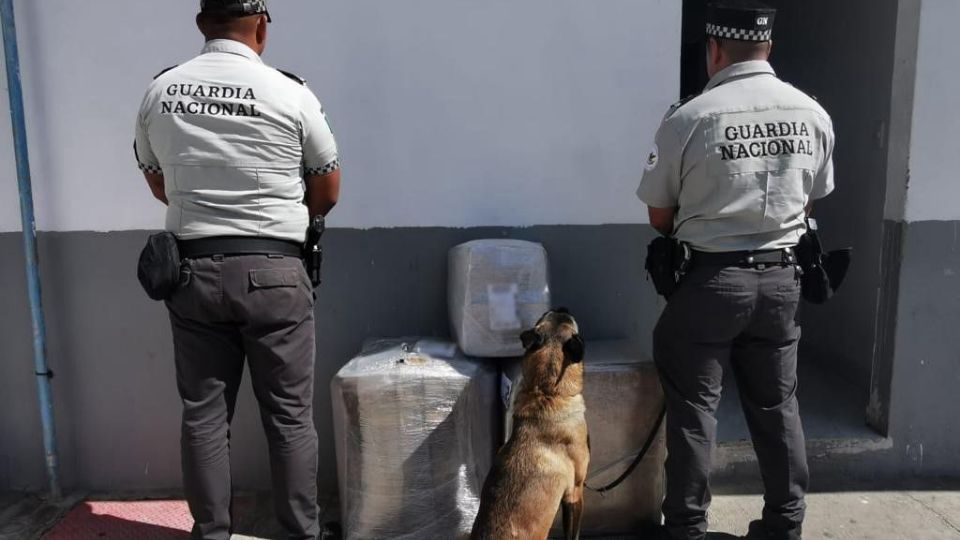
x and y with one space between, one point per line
741 161
233 139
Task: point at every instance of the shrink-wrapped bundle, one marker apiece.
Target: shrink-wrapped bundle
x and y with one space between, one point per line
496 289
415 425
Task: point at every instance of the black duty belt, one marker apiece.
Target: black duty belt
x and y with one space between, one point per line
746 259
237 245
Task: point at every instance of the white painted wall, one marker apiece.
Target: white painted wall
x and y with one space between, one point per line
9 201
934 189
448 112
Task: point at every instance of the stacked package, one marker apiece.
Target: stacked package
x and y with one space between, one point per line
496 289
415 425
624 399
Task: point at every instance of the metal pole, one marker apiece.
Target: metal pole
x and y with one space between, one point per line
42 371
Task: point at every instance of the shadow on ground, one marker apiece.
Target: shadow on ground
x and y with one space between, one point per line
26 516
839 484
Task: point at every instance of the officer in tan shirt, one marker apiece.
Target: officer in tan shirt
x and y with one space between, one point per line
732 174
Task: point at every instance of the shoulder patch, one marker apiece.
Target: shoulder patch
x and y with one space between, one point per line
296 78
653 158
676 106
157 76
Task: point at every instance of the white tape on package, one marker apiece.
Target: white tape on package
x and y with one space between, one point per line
415 426
496 289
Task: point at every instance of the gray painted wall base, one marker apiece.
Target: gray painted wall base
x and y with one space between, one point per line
926 366
115 395
110 347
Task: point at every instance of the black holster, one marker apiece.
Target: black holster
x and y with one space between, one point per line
822 272
313 251
667 260
159 266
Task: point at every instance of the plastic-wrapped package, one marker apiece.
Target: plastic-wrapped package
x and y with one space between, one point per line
415 426
624 399
496 289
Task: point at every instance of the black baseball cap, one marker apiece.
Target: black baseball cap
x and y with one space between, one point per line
741 20
236 8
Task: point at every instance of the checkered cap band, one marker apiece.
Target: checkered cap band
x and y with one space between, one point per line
152 169
326 169
740 34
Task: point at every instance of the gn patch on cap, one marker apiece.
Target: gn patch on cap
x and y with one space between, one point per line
741 20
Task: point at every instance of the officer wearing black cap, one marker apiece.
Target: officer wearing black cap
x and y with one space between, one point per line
244 158
732 176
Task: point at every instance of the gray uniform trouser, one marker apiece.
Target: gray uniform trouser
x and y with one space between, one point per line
259 308
746 316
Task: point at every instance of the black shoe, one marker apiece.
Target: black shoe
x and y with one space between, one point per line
660 533
759 531
331 531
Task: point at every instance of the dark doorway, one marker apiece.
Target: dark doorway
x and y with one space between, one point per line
843 54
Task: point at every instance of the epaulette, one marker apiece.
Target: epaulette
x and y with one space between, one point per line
297 78
157 76
676 106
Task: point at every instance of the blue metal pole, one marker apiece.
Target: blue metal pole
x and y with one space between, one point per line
43 373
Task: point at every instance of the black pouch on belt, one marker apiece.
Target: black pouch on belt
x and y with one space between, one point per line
159 266
666 258
822 273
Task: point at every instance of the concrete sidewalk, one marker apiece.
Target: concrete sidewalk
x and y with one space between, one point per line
878 515
915 514
856 515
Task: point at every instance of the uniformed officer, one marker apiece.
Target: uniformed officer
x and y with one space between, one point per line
243 157
732 175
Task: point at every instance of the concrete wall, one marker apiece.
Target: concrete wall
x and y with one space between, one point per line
115 393
9 207
408 90
926 370
448 112
453 117
934 189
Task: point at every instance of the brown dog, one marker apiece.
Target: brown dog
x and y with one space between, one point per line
544 464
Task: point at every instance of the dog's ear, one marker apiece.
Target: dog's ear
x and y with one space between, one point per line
575 348
531 338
